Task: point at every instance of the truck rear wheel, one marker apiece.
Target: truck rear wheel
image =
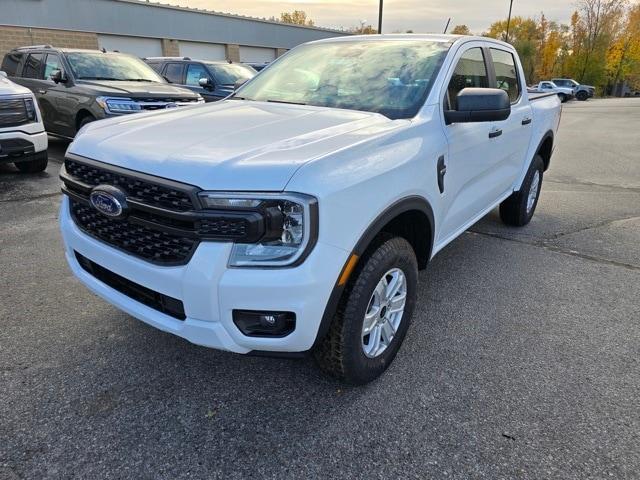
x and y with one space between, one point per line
374 314
518 209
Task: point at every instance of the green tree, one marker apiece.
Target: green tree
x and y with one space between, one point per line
297 17
461 30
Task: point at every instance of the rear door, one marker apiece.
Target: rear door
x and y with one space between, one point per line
513 144
473 179
173 72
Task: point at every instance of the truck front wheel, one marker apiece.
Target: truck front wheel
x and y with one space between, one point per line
518 209
582 95
374 314
39 164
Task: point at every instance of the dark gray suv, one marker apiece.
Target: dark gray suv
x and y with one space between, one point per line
74 87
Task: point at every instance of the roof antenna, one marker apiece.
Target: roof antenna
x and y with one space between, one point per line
447 25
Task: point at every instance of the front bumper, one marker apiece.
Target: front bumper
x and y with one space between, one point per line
210 291
22 146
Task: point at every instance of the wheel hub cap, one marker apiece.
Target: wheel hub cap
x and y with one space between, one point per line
384 313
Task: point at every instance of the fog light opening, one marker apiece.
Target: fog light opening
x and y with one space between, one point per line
264 323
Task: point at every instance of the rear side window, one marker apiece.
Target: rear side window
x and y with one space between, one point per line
173 72
471 71
10 63
33 67
506 74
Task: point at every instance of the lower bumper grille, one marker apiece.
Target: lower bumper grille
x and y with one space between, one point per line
152 245
162 303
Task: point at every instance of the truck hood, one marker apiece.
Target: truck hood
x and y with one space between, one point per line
136 89
228 145
7 87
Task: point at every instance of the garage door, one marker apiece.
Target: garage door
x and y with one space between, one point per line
202 51
142 47
257 54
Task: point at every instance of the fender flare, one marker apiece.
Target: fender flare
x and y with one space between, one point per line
545 137
399 207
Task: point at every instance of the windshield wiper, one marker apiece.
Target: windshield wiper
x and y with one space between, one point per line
137 80
284 101
99 78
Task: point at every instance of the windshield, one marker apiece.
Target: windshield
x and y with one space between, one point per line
391 77
229 74
103 66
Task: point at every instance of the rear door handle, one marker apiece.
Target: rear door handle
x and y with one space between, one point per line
496 132
526 121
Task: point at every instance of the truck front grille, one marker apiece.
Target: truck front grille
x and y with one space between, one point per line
16 111
152 245
164 222
144 191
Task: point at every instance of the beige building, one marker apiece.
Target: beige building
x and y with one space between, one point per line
148 29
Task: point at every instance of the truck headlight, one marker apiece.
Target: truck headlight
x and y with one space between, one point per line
118 105
291 226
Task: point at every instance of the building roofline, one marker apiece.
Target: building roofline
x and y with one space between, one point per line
149 3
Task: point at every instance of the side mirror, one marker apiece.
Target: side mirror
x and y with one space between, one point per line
239 83
479 105
58 77
205 83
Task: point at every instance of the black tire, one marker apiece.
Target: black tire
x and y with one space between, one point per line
341 353
563 97
33 166
85 120
513 210
582 95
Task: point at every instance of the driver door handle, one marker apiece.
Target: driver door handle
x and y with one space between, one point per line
526 120
496 132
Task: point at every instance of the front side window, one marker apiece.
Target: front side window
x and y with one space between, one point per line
33 67
51 64
110 66
229 74
506 74
173 72
391 77
470 72
10 64
195 72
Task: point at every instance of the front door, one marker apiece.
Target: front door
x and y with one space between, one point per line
472 181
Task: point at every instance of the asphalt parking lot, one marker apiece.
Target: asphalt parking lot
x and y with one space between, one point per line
523 359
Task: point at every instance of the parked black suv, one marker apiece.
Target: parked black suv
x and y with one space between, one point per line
74 87
213 80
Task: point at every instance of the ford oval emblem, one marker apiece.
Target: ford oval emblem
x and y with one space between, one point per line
109 200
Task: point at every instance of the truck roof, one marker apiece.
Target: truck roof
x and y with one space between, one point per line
414 36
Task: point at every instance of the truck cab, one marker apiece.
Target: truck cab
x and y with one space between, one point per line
212 80
333 177
74 87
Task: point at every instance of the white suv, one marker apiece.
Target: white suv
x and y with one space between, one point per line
23 140
294 216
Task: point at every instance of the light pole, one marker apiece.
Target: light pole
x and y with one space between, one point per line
506 37
380 17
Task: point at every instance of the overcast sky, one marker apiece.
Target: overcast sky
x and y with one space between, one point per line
417 15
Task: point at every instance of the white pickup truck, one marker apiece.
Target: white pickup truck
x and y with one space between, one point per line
294 216
564 93
23 140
